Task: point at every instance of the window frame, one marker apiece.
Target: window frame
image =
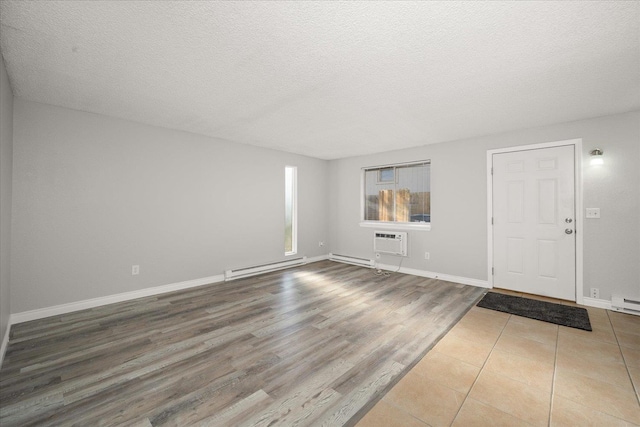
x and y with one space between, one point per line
379 179
294 210
391 225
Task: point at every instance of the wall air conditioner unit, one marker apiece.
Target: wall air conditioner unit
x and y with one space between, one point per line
625 305
390 242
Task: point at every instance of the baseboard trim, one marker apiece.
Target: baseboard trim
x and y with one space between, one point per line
598 303
317 258
41 313
440 276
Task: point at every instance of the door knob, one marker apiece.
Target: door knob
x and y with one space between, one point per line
568 231
568 220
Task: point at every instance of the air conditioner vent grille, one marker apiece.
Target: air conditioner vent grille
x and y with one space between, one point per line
388 242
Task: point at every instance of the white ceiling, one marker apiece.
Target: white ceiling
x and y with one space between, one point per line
328 79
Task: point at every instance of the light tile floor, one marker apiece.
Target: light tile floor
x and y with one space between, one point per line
495 369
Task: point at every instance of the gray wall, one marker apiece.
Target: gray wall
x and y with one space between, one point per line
94 195
6 155
458 240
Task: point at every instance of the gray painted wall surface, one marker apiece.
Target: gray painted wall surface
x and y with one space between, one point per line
6 155
458 240
94 195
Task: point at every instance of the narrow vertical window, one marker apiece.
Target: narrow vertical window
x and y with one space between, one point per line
290 211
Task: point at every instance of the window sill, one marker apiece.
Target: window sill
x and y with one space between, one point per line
417 226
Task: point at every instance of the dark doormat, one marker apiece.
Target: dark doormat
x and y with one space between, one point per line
573 317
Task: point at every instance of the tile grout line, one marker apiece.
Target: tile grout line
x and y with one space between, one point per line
553 380
480 371
394 405
626 365
443 385
554 376
403 410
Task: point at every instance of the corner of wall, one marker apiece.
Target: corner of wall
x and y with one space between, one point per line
6 185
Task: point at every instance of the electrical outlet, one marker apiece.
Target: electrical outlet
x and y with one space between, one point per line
321 244
595 293
593 213
426 255
377 255
135 270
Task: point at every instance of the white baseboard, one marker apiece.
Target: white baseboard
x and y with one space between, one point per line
41 313
5 343
432 275
598 303
317 258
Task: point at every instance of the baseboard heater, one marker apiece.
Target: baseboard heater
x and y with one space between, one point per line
362 262
240 273
625 305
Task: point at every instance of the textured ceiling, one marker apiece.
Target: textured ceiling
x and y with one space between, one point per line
328 79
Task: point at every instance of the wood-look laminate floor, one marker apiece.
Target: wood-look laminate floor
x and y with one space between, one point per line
315 345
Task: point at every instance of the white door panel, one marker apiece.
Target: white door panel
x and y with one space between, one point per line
533 198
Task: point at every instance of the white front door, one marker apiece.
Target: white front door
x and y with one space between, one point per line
534 245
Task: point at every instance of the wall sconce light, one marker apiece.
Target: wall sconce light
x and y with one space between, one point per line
596 157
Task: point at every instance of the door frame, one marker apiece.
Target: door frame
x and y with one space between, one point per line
577 152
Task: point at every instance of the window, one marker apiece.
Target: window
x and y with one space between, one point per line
386 175
398 194
290 211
